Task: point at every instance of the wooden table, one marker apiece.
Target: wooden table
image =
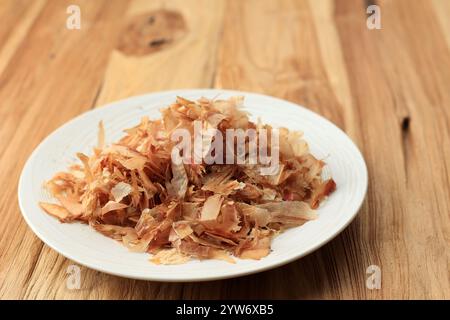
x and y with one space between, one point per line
388 88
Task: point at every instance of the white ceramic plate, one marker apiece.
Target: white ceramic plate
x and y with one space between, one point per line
83 245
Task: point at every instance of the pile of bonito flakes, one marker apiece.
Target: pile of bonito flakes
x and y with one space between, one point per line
133 192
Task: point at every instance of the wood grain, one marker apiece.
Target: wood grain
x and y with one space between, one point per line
388 89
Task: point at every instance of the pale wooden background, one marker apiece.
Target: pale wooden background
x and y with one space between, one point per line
388 89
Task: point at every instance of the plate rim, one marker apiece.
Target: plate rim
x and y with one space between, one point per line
66 253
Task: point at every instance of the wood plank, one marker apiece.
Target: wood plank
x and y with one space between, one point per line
37 98
396 116
144 73
294 67
376 115
388 89
17 18
441 10
186 62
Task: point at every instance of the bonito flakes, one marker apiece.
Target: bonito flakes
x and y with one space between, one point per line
133 191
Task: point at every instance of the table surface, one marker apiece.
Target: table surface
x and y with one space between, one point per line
387 88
